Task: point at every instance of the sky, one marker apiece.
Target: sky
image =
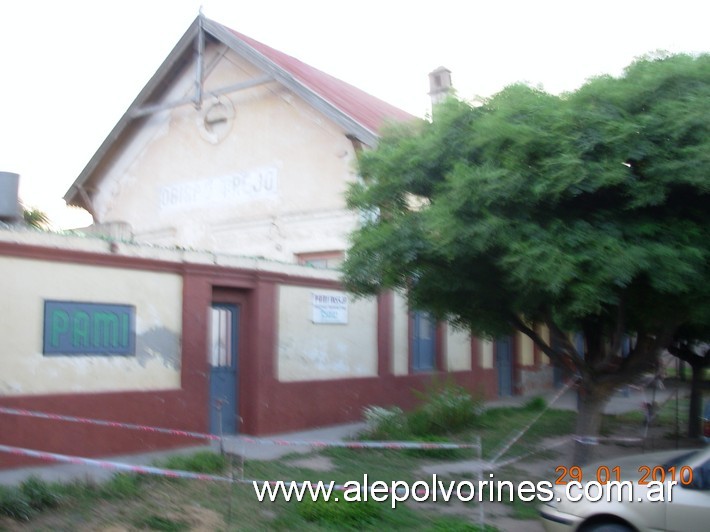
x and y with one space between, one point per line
69 69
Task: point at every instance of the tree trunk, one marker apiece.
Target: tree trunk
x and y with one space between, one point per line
696 400
590 408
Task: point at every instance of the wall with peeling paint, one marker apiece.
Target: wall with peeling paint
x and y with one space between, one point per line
290 368
157 298
400 336
315 351
271 184
486 347
458 350
526 350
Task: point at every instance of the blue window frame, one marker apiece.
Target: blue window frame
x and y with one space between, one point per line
423 342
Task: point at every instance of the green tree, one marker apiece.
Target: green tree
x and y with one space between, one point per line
33 217
586 212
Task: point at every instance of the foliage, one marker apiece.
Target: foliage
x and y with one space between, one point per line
30 497
444 409
40 494
36 218
341 513
121 486
199 462
585 212
523 511
157 522
385 423
535 404
453 524
15 504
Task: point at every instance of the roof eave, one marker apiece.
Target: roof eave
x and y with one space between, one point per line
350 125
72 196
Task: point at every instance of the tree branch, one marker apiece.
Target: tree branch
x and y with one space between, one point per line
646 347
560 358
684 352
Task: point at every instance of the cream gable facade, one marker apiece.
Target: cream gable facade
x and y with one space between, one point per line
272 187
250 160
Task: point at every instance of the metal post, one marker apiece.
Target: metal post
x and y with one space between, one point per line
481 512
677 383
218 405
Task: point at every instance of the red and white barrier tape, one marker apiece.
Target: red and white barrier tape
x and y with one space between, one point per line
173 473
506 447
105 464
595 440
241 439
360 444
104 423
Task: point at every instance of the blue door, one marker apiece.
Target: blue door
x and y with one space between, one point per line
423 342
223 355
504 363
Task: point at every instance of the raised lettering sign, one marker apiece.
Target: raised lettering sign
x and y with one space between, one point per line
73 328
240 187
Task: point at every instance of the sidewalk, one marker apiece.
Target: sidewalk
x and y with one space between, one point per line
627 400
269 448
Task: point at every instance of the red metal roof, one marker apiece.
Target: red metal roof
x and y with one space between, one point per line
369 111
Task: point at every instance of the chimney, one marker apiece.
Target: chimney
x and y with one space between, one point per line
10 211
440 85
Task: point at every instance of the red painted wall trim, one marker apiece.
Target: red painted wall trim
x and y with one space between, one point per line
517 363
494 352
265 330
228 276
171 409
266 405
14 249
298 405
385 333
440 354
476 354
537 352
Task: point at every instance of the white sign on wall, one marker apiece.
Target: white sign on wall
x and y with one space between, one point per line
239 187
329 307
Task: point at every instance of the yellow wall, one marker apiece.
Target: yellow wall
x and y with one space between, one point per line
527 350
458 350
315 351
544 333
486 347
400 336
157 298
